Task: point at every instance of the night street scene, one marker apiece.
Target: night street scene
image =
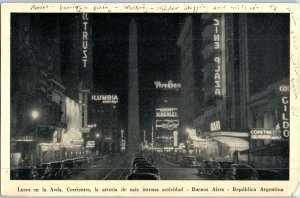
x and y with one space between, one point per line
149 96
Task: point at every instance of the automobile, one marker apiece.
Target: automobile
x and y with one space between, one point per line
142 176
189 162
27 172
151 159
204 168
68 168
79 165
137 160
43 171
142 163
14 173
133 164
215 169
241 172
85 163
137 155
56 170
224 167
147 169
269 174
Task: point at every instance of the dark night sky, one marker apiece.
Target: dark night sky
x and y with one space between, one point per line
157 55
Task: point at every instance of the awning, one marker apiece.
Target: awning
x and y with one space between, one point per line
234 143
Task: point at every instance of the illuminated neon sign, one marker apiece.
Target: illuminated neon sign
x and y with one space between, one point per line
217 58
85 39
105 99
166 112
169 85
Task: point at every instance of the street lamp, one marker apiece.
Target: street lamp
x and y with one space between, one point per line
35 114
97 143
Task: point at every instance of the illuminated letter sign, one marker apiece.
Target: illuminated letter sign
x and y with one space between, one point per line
265 134
23 138
166 112
84 39
217 58
169 85
285 117
167 124
105 99
215 126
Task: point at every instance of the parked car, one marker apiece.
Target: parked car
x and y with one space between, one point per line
142 163
56 170
241 172
269 174
147 169
68 168
27 172
204 168
224 167
189 162
142 176
80 165
137 160
14 174
43 171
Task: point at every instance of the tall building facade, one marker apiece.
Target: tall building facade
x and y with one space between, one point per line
166 116
45 99
105 122
190 55
239 94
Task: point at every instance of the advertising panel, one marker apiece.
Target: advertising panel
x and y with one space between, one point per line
266 134
167 85
105 98
166 118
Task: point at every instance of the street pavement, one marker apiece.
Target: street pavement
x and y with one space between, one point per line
112 168
117 168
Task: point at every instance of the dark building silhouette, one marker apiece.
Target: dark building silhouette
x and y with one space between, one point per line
244 64
48 87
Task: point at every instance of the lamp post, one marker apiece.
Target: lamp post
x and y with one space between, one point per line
35 116
121 142
97 143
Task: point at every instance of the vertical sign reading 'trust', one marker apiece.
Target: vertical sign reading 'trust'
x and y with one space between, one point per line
85 39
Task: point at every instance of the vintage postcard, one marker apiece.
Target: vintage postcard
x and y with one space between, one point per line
202 97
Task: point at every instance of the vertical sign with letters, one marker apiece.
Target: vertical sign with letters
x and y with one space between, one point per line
217 57
219 54
85 35
285 112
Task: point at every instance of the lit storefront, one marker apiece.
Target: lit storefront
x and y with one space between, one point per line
269 126
71 138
